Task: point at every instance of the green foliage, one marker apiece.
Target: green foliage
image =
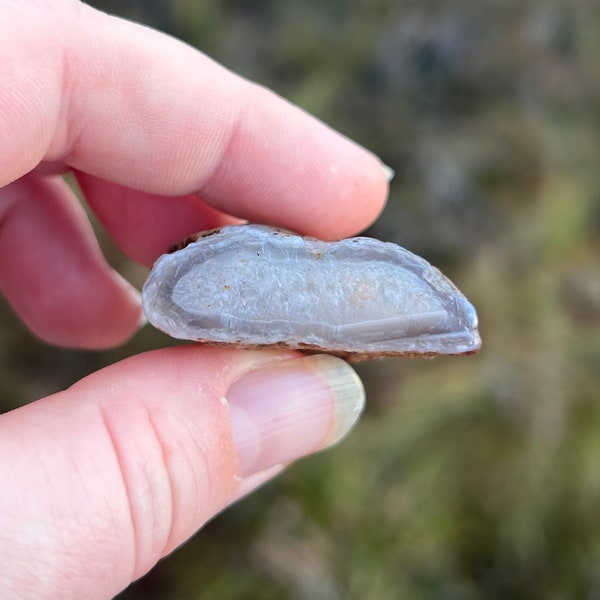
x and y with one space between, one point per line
468 478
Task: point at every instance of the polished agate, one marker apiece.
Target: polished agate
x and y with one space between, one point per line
254 286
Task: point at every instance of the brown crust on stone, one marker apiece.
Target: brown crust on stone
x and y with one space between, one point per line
190 239
352 357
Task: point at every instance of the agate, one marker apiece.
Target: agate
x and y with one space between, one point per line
254 286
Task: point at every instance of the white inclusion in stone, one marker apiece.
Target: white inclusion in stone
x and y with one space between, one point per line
252 285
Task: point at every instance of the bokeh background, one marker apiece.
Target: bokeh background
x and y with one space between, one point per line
470 477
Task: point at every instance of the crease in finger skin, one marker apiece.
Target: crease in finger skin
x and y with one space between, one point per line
52 270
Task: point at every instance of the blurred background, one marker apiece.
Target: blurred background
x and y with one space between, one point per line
470 477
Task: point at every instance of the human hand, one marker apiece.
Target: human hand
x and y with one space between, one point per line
100 481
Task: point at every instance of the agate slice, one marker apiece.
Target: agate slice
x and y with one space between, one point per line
254 286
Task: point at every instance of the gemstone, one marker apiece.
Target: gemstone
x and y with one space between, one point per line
255 286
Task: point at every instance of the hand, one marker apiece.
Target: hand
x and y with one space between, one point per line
100 481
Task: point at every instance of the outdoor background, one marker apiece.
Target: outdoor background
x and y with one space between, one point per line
467 478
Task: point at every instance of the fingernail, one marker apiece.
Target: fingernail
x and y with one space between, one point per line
292 408
389 173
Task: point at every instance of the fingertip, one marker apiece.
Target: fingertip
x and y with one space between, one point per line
285 167
351 200
53 273
103 316
242 148
286 410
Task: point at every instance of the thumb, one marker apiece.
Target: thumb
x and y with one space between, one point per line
100 481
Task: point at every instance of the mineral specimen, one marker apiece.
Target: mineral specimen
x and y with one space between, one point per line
253 286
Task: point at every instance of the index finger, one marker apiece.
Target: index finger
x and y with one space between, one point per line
138 108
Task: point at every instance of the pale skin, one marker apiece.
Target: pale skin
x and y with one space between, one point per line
163 142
